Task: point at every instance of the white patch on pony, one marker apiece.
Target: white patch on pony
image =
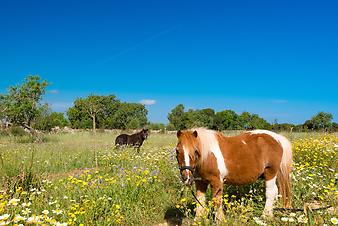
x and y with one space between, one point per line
243 142
271 193
284 142
210 145
186 160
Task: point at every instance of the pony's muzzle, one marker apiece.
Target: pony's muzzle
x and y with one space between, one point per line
187 177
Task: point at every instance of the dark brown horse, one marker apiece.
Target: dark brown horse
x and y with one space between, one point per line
136 140
238 160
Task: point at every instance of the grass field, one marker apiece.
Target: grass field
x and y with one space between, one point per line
80 179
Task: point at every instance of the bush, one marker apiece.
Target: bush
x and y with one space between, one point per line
3 132
17 131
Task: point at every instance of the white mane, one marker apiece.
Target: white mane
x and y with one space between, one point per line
210 144
208 141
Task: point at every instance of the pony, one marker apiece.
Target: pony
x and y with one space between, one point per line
136 140
239 160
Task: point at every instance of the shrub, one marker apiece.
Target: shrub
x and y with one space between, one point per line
17 131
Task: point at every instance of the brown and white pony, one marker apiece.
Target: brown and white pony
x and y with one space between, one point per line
237 160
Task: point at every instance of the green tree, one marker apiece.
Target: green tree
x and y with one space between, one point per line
129 115
176 117
48 119
93 111
227 119
2 109
156 126
245 120
199 118
253 121
321 121
22 103
106 112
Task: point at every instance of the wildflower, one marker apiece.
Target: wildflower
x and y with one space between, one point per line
18 218
25 205
13 202
26 211
302 219
4 217
33 220
57 212
284 219
291 219
334 220
45 212
4 223
259 221
52 203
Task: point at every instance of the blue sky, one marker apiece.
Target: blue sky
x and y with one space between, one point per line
275 58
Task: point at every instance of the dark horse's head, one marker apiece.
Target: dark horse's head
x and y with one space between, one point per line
144 133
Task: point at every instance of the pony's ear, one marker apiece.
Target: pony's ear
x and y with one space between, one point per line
179 133
195 133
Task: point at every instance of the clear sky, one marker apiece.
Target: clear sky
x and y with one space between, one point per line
275 58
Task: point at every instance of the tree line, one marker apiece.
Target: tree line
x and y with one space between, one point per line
22 106
230 120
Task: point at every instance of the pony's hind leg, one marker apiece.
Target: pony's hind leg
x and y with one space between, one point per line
271 192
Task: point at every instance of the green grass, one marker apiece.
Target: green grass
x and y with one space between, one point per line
82 176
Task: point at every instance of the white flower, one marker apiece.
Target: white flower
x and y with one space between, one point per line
302 219
4 223
292 214
52 203
45 212
334 220
61 224
13 202
57 212
24 205
26 211
18 218
33 220
285 219
259 221
4 217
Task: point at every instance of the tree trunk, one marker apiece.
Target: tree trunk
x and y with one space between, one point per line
32 131
94 124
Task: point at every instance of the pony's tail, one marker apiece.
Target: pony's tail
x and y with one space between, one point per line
284 172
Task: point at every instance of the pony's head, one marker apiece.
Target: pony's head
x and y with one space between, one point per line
144 133
188 153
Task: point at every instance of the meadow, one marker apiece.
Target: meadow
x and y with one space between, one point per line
80 179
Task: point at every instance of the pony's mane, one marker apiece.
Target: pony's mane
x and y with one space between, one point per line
208 141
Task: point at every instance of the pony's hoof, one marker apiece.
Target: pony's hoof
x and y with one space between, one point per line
267 214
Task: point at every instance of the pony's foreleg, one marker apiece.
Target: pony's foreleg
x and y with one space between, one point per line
217 191
201 188
271 193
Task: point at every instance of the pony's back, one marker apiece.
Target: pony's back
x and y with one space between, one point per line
121 139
